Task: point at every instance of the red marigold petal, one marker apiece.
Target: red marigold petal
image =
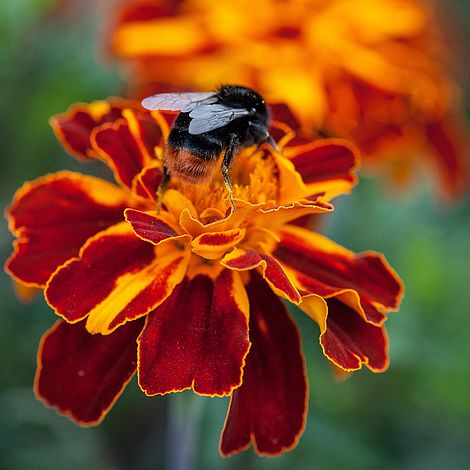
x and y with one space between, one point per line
73 128
362 304
53 216
146 11
81 375
349 341
150 228
325 160
145 184
117 278
127 145
451 146
321 259
242 260
213 245
282 113
197 339
269 409
327 164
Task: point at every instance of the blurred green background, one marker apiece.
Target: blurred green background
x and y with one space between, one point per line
416 416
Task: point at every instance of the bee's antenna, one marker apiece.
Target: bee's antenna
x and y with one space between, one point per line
270 141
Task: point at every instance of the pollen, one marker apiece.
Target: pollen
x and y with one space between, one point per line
254 177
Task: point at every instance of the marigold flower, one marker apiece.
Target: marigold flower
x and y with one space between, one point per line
373 71
190 297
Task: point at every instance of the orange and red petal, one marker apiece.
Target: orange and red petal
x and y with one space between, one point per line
451 147
371 312
82 375
213 245
151 228
146 11
326 165
349 341
322 260
53 216
269 409
117 277
73 128
278 216
281 113
127 145
197 339
243 260
146 183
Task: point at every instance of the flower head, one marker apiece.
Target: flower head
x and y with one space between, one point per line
189 297
373 71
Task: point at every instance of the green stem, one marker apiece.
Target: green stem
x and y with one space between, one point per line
184 422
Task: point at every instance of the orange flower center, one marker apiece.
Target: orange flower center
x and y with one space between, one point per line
254 177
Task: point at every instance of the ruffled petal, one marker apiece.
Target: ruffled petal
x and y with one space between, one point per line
275 276
213 245
269 409
451 147
347 339
117 277
152 228
328 269
127 145
145 184
197 339
278 216
327 165
81 375
73 128
53 216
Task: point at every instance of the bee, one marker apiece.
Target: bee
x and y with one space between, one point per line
210 126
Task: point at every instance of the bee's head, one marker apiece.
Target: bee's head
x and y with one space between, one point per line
257 122
243 97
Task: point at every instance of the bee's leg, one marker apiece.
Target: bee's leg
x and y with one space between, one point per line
162 187
227 160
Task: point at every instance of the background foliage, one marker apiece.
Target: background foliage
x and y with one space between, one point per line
416 416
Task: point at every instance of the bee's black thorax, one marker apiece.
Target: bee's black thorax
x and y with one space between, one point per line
240 133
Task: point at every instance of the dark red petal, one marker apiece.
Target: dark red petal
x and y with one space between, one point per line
127 145
73 128
270 407
272 271
117 277
452 147
145 184
148 227
325 160
82 375
197 339
371 312
323 261
282 113
349 341
54 216
146 11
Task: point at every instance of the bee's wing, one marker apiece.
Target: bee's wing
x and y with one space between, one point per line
207 117
184 102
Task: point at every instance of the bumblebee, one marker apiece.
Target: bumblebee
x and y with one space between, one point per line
210 126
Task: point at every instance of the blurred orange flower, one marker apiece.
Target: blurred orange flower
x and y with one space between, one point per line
374 71
189 297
